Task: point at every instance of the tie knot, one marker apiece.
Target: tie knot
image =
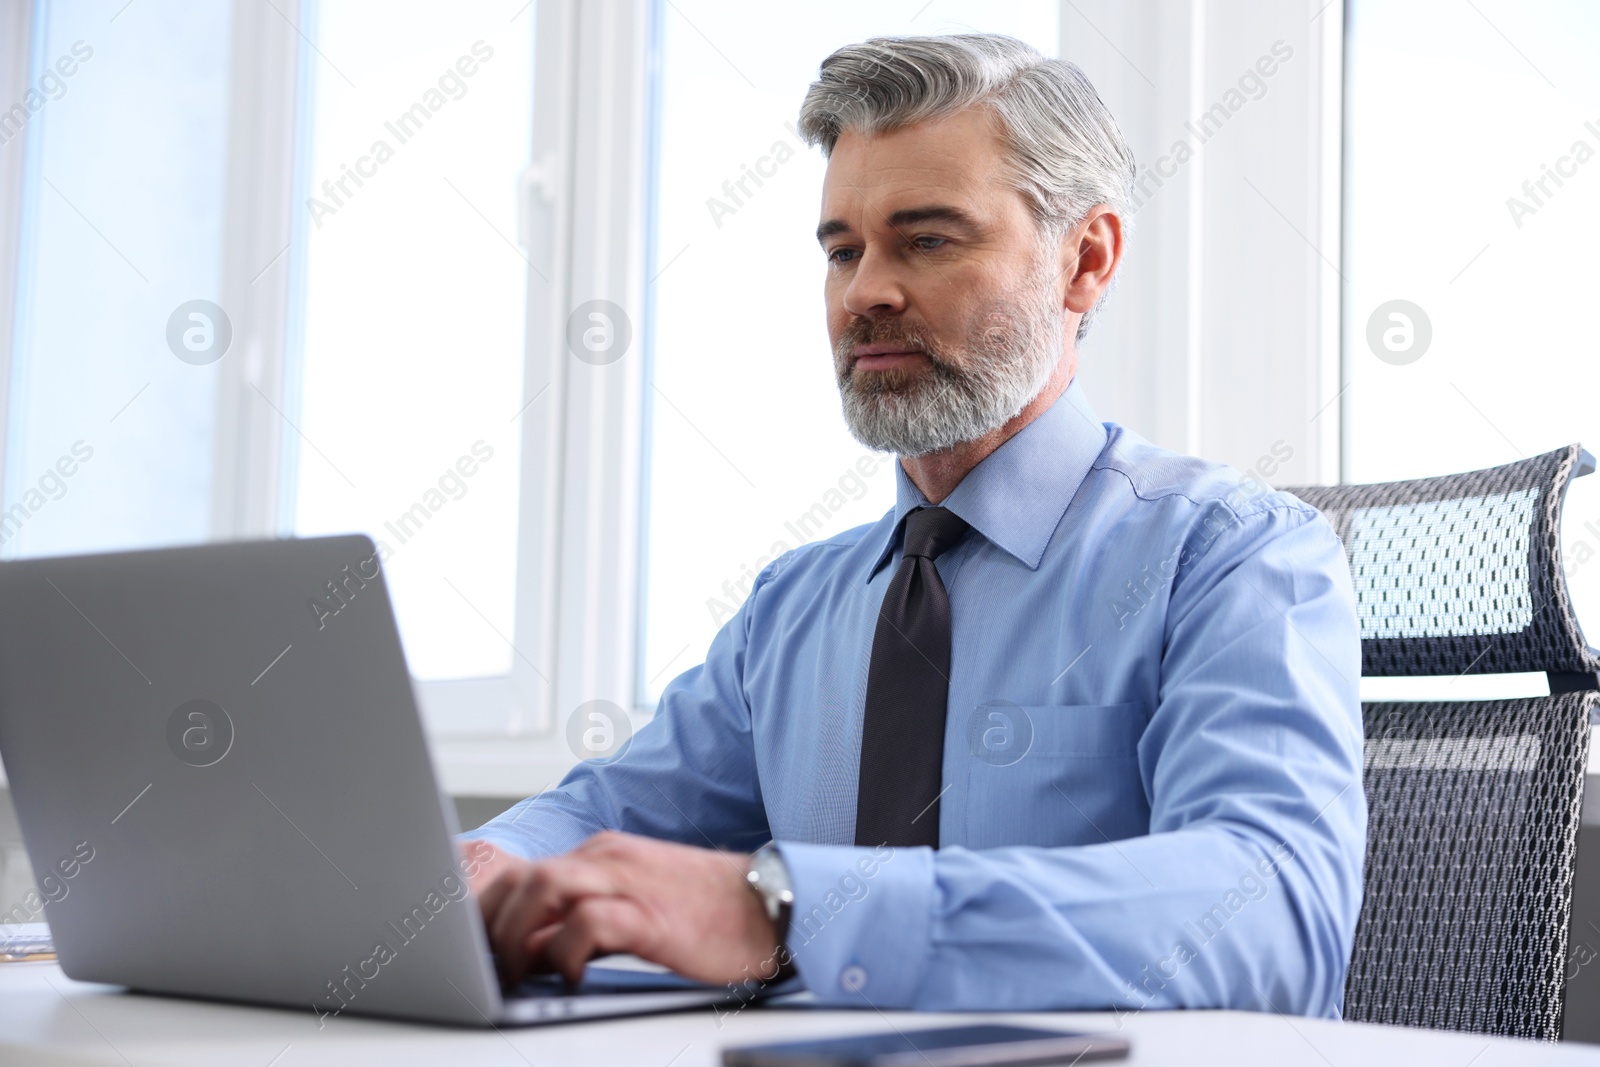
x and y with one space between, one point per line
930 531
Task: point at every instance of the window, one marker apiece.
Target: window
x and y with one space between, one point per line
109 254
410 214
748 454
1470 283
413 307
300 302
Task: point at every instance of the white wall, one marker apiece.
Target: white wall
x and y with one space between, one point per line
1222 337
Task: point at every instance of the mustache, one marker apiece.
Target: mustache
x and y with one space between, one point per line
864 331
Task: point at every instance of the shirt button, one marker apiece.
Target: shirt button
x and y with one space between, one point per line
853 979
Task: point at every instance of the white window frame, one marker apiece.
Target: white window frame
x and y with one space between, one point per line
16 68
1189 351
579 522
582 224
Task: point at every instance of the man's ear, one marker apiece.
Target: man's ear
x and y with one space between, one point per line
1091 252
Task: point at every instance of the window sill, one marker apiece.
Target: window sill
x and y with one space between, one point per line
499 766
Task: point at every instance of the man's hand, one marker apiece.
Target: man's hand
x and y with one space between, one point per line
482 863
689 909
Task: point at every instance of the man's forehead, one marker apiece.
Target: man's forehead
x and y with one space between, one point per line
954 162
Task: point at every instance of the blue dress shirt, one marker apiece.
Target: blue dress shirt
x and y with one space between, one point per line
1152 755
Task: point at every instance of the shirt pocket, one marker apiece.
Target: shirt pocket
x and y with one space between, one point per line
1055 775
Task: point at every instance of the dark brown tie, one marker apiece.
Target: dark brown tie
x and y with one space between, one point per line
908 688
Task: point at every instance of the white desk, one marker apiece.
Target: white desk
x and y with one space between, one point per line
48 1019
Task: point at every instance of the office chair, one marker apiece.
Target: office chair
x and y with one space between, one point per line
1474 806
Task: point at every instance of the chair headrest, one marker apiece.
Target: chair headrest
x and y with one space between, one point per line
1462 574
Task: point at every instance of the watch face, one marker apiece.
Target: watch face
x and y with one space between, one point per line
769 877
772 877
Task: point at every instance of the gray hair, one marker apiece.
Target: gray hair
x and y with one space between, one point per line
1066 153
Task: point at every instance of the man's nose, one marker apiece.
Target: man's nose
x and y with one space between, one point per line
875 288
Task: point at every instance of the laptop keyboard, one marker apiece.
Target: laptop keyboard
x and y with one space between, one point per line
601 981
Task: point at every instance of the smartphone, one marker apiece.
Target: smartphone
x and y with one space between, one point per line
954 1046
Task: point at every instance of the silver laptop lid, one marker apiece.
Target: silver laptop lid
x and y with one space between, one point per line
224 786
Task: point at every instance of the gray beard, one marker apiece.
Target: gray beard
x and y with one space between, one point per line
1009 353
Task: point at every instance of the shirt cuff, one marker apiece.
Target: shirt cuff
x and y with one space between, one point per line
860 926
546 831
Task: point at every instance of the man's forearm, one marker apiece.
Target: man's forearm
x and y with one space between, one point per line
555 821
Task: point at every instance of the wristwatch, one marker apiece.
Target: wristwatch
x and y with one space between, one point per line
769 877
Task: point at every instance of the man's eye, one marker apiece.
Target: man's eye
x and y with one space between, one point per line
927 242
841 255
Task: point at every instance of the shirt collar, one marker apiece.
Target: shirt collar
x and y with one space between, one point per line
1017 495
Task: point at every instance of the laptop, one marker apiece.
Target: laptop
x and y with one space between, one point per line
225 791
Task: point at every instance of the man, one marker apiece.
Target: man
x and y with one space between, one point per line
1074 726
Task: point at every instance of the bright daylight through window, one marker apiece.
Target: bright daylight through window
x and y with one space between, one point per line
413 316
107 253
1471 284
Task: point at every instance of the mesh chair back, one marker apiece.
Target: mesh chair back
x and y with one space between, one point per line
1473 806
1461 573
1471 844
